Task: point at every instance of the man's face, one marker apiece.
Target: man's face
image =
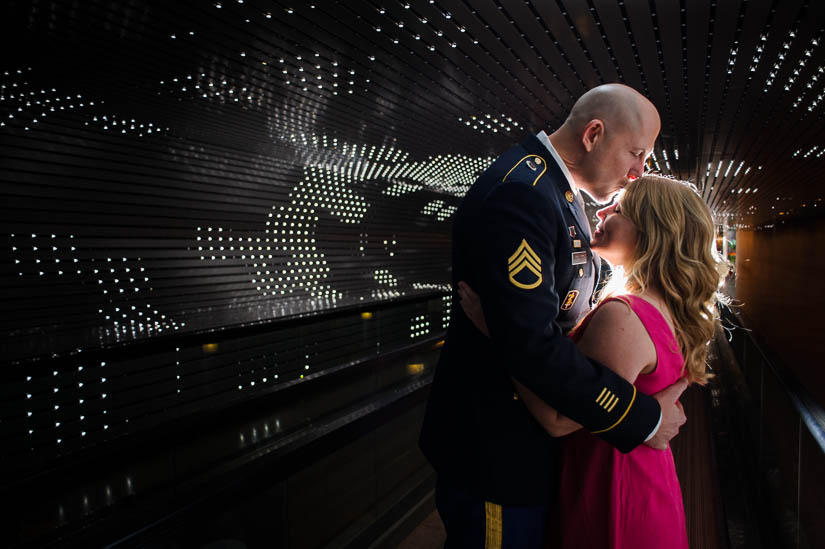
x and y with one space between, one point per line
617 159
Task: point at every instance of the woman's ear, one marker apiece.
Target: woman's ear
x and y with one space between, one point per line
592 134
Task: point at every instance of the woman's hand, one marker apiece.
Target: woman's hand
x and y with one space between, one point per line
471 304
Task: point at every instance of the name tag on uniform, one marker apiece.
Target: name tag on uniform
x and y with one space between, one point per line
579 258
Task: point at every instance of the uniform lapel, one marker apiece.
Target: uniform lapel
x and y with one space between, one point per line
581 215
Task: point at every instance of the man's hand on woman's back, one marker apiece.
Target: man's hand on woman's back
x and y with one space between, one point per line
673 415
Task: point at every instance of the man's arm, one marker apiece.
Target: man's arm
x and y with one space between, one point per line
517 286
556 424
617 338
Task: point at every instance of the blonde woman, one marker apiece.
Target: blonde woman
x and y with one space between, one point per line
651 326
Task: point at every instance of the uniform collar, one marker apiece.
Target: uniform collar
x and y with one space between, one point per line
542 137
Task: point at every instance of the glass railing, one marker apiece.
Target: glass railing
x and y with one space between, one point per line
301 388
783 435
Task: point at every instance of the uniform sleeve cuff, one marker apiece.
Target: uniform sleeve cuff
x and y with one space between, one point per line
655 429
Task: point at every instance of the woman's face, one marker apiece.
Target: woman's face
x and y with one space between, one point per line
615 236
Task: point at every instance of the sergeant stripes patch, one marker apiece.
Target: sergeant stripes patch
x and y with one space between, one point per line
524 258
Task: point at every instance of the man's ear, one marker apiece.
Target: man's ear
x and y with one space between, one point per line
592 134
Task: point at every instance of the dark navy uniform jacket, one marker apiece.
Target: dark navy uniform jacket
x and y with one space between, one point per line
513 243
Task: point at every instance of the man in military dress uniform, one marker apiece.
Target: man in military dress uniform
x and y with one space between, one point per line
522 241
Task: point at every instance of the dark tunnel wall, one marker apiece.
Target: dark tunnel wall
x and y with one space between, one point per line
779 284
164 206
134 132
114 238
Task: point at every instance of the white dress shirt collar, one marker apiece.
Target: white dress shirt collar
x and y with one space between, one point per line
542 136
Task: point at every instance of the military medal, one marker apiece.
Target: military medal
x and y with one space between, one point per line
579 258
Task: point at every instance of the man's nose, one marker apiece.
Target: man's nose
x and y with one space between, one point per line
637 170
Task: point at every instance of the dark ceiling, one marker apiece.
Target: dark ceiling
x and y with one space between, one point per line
739 83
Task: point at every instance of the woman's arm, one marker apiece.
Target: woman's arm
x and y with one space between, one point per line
553 422
615 337
471 304
549 418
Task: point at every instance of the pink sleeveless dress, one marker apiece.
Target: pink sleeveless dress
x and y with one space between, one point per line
623 501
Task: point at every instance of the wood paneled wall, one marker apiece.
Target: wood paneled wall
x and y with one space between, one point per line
779 280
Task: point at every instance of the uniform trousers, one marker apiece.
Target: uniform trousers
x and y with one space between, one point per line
472 523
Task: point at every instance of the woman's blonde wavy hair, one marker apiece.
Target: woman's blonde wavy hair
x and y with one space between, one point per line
675 256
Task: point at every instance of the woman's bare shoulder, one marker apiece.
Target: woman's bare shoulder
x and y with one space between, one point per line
616 337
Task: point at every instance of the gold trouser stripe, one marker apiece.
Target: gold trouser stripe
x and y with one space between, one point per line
495 526
632 400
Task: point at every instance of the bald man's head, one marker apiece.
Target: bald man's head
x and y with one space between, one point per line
606 139
618 106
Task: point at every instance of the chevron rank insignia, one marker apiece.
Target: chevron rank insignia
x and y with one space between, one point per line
524 267
569 300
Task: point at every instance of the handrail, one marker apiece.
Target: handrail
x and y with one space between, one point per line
811 412
210 335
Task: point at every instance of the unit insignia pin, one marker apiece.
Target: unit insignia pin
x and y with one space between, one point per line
569 300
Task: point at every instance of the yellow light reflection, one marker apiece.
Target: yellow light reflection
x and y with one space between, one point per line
415 368
366 315
210 348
